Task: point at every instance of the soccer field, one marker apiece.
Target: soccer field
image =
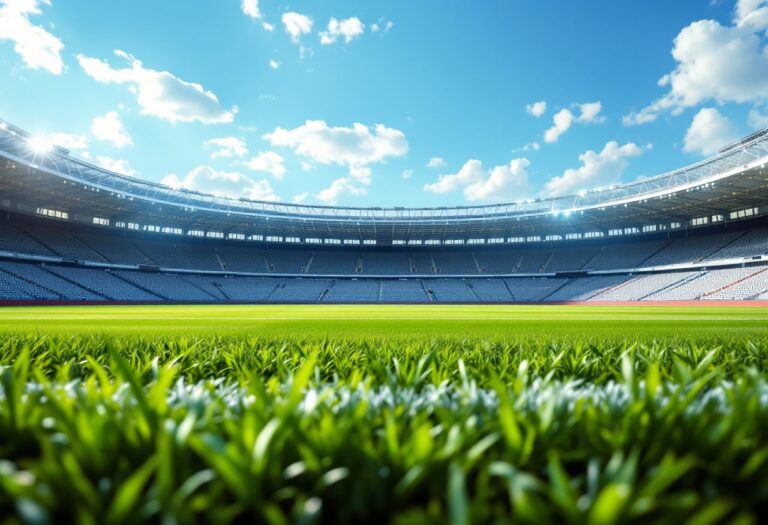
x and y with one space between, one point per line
413 414
353 321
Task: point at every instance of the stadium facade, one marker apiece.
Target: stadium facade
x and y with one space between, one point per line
71 231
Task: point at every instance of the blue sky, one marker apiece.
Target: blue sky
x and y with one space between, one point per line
429 103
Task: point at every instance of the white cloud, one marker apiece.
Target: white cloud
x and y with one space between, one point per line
436 163
223 184
597 169
349 28
561 122
355 147
251 8
269 162
531 146
537 109
340 187
227 147
751 13
38 48
109 128
506 182
159 93
407 174
274 64
68 141
589 113
708 132
297 25
757 119
301 197
382 26
118 166
715 63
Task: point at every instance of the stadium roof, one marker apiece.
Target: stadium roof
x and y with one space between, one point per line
732 180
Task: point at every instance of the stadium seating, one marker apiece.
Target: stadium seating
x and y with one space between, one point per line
104 283
15 240
288 261
448 263
498 261
422 263
403 291
115 249
586 288
491 290
240 259
534 260
571 258
451 291
201 257
386 263
41 277
208 284
172 287
624 255
642 286
691 287
24 281
101 246
691 249
13 287
165 255
753 243
61 242
299 290
209 271
747 283
334 263
247 289
353 291
534 289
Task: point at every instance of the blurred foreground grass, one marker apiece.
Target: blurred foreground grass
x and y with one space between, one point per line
204 417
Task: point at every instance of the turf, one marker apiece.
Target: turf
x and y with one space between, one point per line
366 321
391 414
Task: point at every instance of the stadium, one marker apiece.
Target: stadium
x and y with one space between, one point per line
407 263
698 233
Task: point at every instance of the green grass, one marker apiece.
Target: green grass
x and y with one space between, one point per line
344 414
343 321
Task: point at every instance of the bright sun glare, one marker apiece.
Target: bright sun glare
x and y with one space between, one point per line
39 144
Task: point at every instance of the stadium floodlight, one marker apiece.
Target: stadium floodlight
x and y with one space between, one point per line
39 144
